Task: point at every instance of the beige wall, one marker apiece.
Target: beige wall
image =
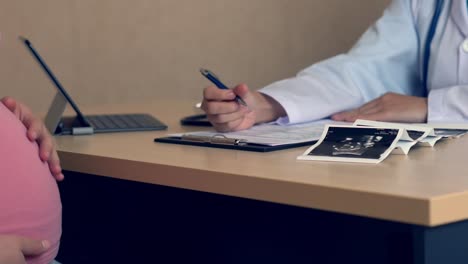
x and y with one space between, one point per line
114 51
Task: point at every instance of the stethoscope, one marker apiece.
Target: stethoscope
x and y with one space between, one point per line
430 37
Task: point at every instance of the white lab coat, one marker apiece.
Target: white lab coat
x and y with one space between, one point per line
388 58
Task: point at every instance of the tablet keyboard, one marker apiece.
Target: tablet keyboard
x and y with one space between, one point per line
124 122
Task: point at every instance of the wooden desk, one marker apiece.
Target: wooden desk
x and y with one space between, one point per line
428 188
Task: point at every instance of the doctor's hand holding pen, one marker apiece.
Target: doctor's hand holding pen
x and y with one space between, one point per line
226 113
238 108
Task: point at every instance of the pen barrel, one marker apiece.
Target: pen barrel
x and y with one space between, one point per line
214 79
216 82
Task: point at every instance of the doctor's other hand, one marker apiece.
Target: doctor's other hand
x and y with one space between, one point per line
36 131
390 107
15 249
225 114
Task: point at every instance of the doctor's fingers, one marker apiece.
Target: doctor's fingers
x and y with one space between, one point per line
212 93
370 106
216 108
230 126
377 113
381 115
348 116
230 117
363 112
359 113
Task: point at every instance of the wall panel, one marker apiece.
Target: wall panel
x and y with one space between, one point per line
112 51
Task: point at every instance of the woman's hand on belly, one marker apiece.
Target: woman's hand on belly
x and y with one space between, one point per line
15 249
37 132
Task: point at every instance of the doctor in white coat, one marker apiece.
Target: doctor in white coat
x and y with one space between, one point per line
410 66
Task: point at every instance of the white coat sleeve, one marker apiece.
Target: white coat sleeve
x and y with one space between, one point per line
385 59
448 104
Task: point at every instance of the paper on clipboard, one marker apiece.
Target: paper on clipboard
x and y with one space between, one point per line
271 134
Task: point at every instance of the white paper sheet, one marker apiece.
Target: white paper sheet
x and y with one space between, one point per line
273 134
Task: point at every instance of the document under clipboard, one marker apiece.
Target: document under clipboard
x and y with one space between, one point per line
227 143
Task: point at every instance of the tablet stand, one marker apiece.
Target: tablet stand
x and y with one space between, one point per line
56 124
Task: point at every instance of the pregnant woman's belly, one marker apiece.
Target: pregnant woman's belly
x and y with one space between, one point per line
29 199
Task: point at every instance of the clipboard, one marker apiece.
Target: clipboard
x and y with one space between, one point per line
228 143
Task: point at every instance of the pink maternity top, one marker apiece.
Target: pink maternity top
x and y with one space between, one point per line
29 199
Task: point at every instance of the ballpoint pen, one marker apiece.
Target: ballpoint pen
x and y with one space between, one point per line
215 80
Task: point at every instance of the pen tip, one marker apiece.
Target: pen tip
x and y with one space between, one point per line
241 101
23 39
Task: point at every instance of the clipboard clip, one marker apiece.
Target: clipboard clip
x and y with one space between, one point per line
216 139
